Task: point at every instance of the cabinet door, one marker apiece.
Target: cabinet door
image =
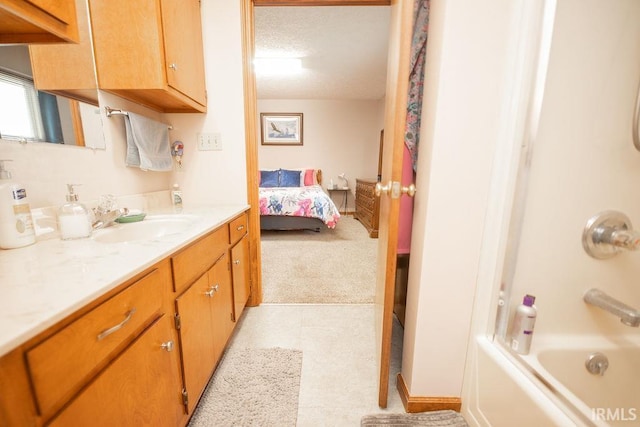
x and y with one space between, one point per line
182 26
38 21
141 387
196 337
222 309
127 44
240 275
67 69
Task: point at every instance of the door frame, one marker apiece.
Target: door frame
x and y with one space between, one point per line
395 119
251 124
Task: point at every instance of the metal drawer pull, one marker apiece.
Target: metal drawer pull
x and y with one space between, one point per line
240 227
102 335
212 291
167 345
236 262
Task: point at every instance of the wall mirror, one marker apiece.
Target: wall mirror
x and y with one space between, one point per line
48 92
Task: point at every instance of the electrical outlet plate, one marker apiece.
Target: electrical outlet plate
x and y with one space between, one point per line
209 142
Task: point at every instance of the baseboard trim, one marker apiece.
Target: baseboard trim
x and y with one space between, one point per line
413 404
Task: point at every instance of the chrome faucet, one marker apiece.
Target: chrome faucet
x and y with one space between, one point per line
107 212
105 218
628 315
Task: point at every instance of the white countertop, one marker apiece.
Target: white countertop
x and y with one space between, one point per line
43 283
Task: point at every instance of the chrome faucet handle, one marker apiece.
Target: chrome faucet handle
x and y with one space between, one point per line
608 233
626 239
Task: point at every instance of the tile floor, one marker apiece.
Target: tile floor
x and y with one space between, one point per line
339 381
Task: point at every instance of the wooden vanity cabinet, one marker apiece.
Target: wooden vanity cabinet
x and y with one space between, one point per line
204 308
150 52
38 21
141 354
204 323
140 387
239 264
101 363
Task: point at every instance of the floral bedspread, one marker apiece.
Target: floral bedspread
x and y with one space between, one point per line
309 201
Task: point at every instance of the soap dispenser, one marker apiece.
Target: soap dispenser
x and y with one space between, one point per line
74 219
16 222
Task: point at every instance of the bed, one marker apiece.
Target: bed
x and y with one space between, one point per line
293 199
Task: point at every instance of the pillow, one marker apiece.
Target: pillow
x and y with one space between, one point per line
269 178
289 178
309 177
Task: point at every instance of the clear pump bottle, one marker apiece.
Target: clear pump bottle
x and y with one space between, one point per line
74 219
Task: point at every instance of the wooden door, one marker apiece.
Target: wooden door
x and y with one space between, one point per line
392 155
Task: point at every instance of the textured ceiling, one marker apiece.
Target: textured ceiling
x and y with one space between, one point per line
343 51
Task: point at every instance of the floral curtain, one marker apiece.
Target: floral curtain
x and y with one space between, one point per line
416 78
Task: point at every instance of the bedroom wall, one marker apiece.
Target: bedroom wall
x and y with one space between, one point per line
338 136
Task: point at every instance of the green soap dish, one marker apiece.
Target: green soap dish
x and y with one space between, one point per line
131 218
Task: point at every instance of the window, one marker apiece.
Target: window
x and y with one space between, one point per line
19 110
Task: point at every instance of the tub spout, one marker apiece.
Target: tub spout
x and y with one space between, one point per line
628 315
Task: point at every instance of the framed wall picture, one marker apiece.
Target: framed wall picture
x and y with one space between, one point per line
281 128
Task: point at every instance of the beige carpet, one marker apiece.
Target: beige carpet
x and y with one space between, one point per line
252 387
331 266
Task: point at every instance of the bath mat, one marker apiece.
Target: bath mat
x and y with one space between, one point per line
252 387
445 418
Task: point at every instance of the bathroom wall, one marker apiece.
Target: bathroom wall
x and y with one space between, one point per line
466 94
44 169
216 177
583 163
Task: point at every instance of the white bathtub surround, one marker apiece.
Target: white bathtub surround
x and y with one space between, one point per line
610 399
580 160
43 283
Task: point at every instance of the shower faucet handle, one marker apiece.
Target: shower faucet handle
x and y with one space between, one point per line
626 239
607 233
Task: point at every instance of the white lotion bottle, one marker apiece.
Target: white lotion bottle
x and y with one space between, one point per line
74 219
16 222
523 324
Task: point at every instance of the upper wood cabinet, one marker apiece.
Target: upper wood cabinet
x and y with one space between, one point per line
150 52
38 21
67 69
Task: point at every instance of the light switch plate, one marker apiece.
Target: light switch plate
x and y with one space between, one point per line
209 141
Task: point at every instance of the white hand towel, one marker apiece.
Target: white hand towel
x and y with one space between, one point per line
147 143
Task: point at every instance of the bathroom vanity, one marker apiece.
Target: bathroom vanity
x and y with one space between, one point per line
117 331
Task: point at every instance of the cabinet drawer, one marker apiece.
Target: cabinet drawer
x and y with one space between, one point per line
237 228
61 364
193 261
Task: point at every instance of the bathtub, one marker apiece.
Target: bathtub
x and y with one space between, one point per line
612 399
551 386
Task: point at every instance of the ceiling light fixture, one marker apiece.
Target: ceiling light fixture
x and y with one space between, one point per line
277 65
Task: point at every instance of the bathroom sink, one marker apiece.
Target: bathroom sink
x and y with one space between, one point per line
151 228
